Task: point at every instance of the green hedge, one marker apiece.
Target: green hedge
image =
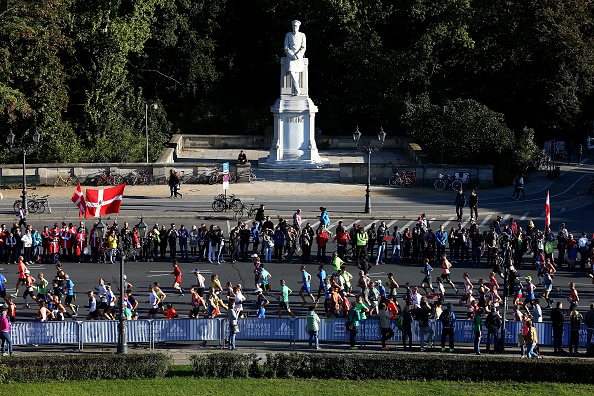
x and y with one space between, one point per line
398 367
85 367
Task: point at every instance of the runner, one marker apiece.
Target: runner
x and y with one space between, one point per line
177 278
306 287
446 265
284 299
427 279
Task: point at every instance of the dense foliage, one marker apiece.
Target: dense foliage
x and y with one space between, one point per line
86 74
391 366
84 367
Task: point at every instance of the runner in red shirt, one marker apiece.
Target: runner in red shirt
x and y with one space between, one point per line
177 278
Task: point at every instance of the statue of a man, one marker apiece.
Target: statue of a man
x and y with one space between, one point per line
295 49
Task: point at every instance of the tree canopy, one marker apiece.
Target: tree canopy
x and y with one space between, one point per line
86 74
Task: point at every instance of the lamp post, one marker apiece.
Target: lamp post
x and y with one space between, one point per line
23 151
155 107
369 148
441 109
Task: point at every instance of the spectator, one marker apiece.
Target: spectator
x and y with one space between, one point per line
242 158
353 322
558 318
385 328
478 328
313 321
5 331
473 205
423 315
589 321
493 323
448 320
531 339
575 321
232 316
460 201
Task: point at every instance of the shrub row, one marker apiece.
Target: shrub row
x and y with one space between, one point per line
85 367
404 367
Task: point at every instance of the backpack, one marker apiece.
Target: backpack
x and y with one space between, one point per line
399 322
423 318
447 318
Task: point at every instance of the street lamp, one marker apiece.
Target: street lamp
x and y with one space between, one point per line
441 109
155 107
369 148
24 151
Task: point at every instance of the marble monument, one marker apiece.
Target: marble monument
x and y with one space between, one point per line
293 144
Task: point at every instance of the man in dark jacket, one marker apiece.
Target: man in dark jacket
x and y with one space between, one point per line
460 202
558 318
493 323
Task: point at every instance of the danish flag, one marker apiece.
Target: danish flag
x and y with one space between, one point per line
102 202
79 201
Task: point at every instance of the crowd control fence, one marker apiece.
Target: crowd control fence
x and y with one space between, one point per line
270 329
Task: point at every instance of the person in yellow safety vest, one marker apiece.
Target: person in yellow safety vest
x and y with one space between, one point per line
362 238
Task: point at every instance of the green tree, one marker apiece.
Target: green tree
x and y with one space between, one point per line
33 93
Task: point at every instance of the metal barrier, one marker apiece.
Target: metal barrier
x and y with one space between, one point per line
269 329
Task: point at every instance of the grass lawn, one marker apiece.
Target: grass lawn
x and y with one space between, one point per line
184 385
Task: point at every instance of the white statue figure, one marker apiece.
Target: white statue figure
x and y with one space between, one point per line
295 49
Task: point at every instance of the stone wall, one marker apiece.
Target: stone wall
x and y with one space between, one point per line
87 173
427 173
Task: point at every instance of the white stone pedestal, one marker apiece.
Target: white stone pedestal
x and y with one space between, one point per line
293 144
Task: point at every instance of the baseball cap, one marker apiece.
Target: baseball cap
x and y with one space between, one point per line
254 255
258 290
27 272
196 271
528 278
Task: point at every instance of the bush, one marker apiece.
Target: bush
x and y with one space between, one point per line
225 365
86 367
397 367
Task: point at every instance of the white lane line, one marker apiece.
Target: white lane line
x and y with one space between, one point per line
448 222
464 223
485 220
368 226
563 210
161 271
408 224
390 224
505 218
524 216
569 188
152 276
544 212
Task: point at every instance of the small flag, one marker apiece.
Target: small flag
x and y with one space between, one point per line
79 200
548 212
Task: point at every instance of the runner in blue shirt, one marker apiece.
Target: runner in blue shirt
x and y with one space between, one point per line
321 277
306 287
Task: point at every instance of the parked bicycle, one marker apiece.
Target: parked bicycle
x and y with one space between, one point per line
70 180
111 178
142 177
244 210
188 178
249 174
402 178
226 203
217 175
35 204
471 182
447 181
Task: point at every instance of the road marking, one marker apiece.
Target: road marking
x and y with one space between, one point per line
563 210
368 226
161 271
152 276
391 223
228 227
524 216
464 223
505 217
448 222
544 212
408 224
485 220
